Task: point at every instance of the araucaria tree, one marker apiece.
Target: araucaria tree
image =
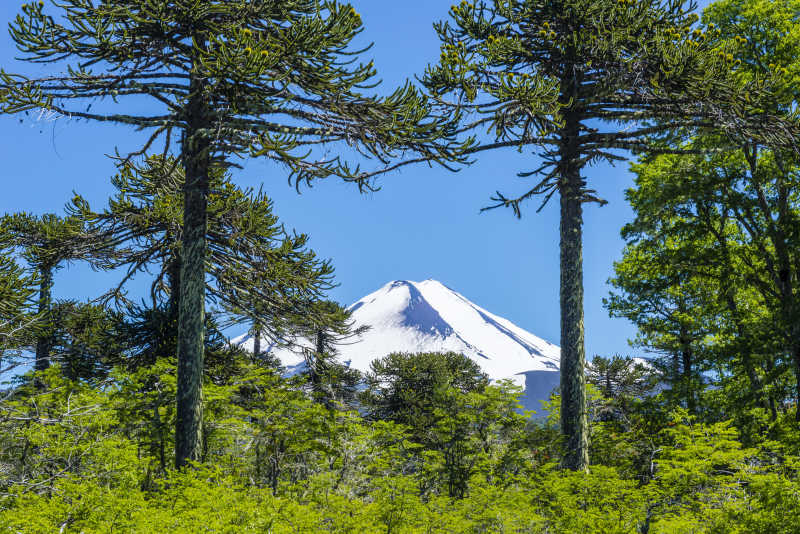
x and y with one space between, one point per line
584 80
255 269
271 78
16 289
46 243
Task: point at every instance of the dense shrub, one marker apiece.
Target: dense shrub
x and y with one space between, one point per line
81 458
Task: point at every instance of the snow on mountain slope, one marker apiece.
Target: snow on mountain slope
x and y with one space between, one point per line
427 316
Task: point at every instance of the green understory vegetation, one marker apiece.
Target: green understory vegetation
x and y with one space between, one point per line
454 456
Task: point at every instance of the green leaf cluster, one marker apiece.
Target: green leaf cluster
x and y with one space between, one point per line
83 458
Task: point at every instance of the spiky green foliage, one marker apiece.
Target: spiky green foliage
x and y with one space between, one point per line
271 78
639 68
87 339
582 80
621 379
16 289
327 328
404 386
255 269
47 243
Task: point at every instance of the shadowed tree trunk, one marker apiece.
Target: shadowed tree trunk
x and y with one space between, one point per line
189 422
729 296
574 422
44 341
174 282
316 367
796 355
256 341
686 357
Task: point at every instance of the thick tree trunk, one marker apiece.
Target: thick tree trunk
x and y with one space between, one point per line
574 422
189 422
45 340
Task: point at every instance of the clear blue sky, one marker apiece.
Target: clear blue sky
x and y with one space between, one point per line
424 223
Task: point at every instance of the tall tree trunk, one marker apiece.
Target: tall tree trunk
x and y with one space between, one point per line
256 341
317 367
756 386
166 331
796 356
729 294
768 367
676 370
174 282
196 161
785 275
574 422
45 339
686 378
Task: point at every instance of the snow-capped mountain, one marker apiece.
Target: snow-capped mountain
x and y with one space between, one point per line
428 316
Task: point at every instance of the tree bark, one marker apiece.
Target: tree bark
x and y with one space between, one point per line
174 283
256 341
167 330
320 342
783 272
45 339
574 422
756 386
796 356
729 295
686 377
316 367
191 322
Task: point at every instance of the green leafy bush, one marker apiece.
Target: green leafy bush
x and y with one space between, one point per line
85 458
